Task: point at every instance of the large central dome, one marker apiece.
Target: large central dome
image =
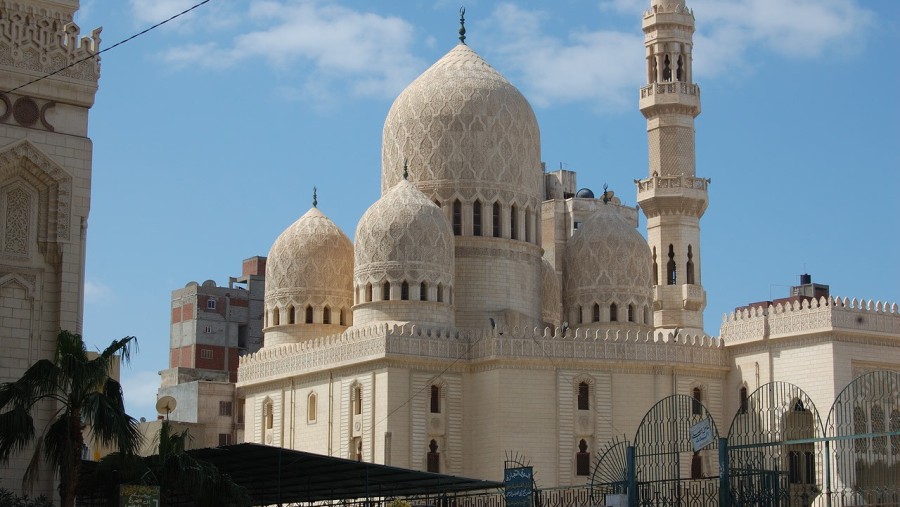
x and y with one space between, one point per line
464 129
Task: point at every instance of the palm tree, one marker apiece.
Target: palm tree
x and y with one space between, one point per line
84 396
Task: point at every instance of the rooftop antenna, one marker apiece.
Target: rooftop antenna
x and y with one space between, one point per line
605 194
462 24
315 198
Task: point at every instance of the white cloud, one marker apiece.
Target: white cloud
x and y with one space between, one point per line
605 67
372 52
140 389
96 292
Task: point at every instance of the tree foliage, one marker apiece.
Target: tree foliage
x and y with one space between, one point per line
82 395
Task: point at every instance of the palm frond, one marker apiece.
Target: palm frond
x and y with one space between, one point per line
16 431
104 412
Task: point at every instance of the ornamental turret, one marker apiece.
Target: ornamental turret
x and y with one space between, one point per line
672 196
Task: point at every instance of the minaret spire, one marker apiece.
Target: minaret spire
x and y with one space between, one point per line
315 198
462 25
673 197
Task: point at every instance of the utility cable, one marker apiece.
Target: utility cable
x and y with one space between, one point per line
97 54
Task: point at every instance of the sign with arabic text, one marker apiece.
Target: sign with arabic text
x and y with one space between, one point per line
131 495
518 484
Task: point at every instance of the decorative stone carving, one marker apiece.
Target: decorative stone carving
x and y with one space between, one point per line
17 226
310 262
461 125
607 261
52 183
551 295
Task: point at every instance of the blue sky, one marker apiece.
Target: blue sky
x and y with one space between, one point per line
210 132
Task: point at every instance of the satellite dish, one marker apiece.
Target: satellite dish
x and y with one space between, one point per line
165 405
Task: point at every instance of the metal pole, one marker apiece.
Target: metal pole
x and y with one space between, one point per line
827 473
724 480
630 476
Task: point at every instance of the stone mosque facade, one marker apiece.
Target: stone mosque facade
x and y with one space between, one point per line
489 307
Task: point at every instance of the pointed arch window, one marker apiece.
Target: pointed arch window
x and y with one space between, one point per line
495 222
613 313
309 314
386 291
457 218
655 268
690 266
291 317
356 400
596 316
697 401
476 218
423 292
311 408
584 396
435 399
276 317
343 317
630 313
670 267
528 224
326 315
583 459
513 222
368 293
434 457
440 293
404 291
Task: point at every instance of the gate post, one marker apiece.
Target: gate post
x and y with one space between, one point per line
724 472
630 477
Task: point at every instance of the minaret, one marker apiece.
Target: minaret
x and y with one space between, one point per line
672 197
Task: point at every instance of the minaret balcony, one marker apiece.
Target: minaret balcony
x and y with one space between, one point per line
673 194
685 296
673 93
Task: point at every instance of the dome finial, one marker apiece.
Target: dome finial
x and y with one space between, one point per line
405 169
605 194
462 24
315 198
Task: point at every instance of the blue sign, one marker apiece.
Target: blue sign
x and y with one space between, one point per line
518 484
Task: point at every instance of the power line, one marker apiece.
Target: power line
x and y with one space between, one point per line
97 54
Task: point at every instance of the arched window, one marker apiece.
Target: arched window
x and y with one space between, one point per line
697 402
528 224
667 69
670 267
386 291
368 292
423 292
579 318
435 400
476 218
269 414
613 313
309 314
311 408
655 268
496 220
583 459
276 317
326 315
630 313
356 399
440 293
879 444
513 222
596 317
434 457
690 266
404 291
860 427
679 72
457 218
291 316
584 396
744 401
343 317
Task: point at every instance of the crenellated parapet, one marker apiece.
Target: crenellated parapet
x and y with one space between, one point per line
810 316
44 39
411 342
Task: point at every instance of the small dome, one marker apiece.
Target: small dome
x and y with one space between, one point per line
607 262
311 263
585 193
404 236
403 240
462 125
